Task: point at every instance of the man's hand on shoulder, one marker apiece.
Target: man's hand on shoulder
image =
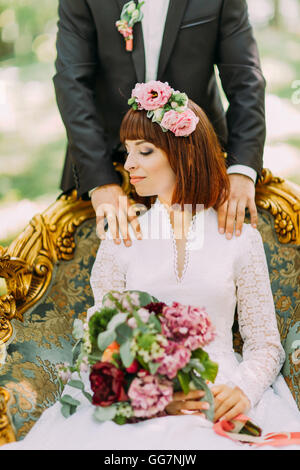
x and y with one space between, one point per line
111 202
242 195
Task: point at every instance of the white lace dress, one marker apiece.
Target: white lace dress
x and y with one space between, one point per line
217 274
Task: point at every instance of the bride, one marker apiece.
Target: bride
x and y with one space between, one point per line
175 160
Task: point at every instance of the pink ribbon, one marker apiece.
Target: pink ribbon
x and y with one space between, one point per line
226 429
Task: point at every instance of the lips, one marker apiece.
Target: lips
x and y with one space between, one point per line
135 179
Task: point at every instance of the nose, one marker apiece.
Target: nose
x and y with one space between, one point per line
130 162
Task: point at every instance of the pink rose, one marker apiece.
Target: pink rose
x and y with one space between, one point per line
152 95
181 124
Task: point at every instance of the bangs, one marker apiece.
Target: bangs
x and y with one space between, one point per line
137 126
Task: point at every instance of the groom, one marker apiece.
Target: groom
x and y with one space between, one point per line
179 42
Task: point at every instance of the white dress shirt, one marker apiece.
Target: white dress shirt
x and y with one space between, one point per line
153 24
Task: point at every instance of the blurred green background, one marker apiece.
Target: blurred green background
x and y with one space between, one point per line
32 136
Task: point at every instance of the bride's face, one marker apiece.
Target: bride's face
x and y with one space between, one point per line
150 162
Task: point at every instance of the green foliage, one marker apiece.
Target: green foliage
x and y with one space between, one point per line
25 24
98 323
200 384
106 413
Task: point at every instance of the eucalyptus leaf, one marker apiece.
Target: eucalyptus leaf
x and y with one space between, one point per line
126 355
76 384
196 364
153 366
67 399
200 384
87 395
105 413
116 320
105 339
76 350
66 410
155 321
123 333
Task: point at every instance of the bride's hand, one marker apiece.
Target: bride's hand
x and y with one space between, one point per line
184 404
229 402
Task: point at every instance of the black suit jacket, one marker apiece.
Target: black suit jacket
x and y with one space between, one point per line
95 76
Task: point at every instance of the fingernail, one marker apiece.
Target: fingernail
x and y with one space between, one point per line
228 236
205 406
118 240
237 233
221 230
128 243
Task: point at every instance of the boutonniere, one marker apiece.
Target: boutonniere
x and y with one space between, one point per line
131 14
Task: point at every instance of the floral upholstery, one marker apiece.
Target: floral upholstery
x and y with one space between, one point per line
44 339
284 269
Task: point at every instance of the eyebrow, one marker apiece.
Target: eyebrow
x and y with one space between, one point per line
137 143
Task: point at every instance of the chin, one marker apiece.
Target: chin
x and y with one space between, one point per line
144 193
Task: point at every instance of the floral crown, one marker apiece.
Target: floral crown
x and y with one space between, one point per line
165 106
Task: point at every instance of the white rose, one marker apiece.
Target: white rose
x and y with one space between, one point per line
144 314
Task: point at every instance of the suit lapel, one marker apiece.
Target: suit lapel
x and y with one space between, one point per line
138 53
173 20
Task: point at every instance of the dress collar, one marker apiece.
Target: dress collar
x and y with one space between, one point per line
196 224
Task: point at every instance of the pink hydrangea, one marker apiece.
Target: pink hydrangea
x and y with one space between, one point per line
181 124
152 95
187 325
149 395
175 358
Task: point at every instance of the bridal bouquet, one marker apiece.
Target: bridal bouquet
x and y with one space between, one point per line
138 352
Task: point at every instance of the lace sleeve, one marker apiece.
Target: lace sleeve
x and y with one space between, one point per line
263 354
107 273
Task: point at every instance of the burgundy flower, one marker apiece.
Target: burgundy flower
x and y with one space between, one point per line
107 383
155 307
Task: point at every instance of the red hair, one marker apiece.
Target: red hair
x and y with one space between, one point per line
197 160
